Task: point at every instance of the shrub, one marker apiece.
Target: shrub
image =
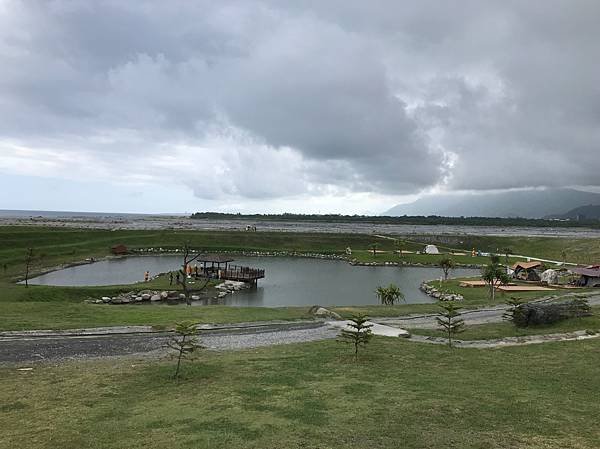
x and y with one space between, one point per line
533 314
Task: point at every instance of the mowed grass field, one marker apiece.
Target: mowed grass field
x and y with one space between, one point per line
399 395
60 307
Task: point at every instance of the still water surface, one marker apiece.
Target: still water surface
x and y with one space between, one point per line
288 281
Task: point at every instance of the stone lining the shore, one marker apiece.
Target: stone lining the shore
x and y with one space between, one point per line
435 293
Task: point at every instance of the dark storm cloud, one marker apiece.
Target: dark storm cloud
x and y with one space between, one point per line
389 97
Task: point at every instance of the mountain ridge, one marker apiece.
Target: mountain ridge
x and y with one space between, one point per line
510 204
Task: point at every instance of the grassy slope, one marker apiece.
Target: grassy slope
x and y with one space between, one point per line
400 394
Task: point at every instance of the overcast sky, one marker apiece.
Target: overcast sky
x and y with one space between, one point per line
305 106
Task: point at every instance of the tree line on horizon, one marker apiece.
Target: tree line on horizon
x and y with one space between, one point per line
405 219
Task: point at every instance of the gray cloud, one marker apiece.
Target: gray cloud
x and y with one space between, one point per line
273 100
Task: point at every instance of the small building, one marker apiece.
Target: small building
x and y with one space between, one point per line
590 276
431 249
119 250
527 271
217 262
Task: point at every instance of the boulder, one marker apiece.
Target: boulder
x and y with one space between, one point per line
146 296
549 277
164 295
195 298
105 299
155 298
322 312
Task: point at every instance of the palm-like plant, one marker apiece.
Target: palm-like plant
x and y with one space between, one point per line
399 245
374 247
447 264
507 251
389 295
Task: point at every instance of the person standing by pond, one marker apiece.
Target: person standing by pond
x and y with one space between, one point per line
170 278
146 276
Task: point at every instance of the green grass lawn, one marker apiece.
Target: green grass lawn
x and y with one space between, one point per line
399 395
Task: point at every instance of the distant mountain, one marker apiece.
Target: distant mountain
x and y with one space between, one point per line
522 203
589 212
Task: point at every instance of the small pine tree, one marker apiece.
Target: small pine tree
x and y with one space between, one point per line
449 320
513 304
184 342
359 334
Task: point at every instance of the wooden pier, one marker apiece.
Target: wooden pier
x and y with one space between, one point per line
242 274
220 268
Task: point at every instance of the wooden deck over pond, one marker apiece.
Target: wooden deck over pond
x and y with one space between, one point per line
230 272
243 274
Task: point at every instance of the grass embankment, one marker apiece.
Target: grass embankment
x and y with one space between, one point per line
502 330
60 307
400 394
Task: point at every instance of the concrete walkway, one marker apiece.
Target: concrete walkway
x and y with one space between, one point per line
376 328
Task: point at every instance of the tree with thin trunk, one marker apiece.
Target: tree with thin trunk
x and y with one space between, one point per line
185 342
399 245
449 320
493 274
507 252
446 264
188 258
29 261
563 254
389 295
374 247
359 333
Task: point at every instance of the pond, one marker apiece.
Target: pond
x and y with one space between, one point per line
288 281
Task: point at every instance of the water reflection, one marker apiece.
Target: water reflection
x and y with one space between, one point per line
288 281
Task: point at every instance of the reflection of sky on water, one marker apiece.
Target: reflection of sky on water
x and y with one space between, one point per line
288 281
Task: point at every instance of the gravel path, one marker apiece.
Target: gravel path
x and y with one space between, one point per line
55 348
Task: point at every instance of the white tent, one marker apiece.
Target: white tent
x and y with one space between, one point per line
431 249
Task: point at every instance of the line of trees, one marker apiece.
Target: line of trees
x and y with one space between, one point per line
406 219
